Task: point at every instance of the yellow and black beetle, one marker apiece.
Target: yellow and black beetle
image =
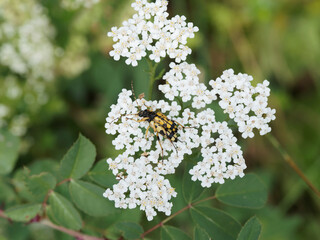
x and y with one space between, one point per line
160 124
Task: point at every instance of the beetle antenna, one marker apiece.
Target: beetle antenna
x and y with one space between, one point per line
134 95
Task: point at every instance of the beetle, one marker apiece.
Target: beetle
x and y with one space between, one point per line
160 124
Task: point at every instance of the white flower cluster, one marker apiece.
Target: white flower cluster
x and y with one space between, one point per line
151 30
183 81
147 156
142 186
143 183
75 4
222 157
26 46
245 104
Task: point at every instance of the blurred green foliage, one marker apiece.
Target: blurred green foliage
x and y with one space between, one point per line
274 40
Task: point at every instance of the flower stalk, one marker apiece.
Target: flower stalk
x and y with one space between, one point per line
175 214
287 158
152 78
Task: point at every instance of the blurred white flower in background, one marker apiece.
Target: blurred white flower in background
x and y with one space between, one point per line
74 58
75 4
28 59
25 36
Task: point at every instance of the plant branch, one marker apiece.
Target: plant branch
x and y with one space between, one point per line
291 163
175 214
44 203
244 50
2 215
70 232
63 181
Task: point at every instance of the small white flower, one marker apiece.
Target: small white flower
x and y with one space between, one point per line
132 59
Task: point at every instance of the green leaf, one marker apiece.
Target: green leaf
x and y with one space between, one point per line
14 231
172 233
44 165
23 213
51 215
78 160
200 234
278 225
192 190
251 230
9 148
88 197
218 224
7 194
63 212
19 183
102 175
40 184
249 192
130 230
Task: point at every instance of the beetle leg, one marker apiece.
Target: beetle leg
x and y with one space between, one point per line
174 146
160 144
147 131
179 124
141 120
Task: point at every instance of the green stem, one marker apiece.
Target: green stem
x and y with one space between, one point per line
152 73
291 163
175 214
181 104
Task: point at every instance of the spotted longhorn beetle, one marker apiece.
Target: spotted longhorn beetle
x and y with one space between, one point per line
159 122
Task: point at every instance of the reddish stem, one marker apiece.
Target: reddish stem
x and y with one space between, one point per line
175 214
